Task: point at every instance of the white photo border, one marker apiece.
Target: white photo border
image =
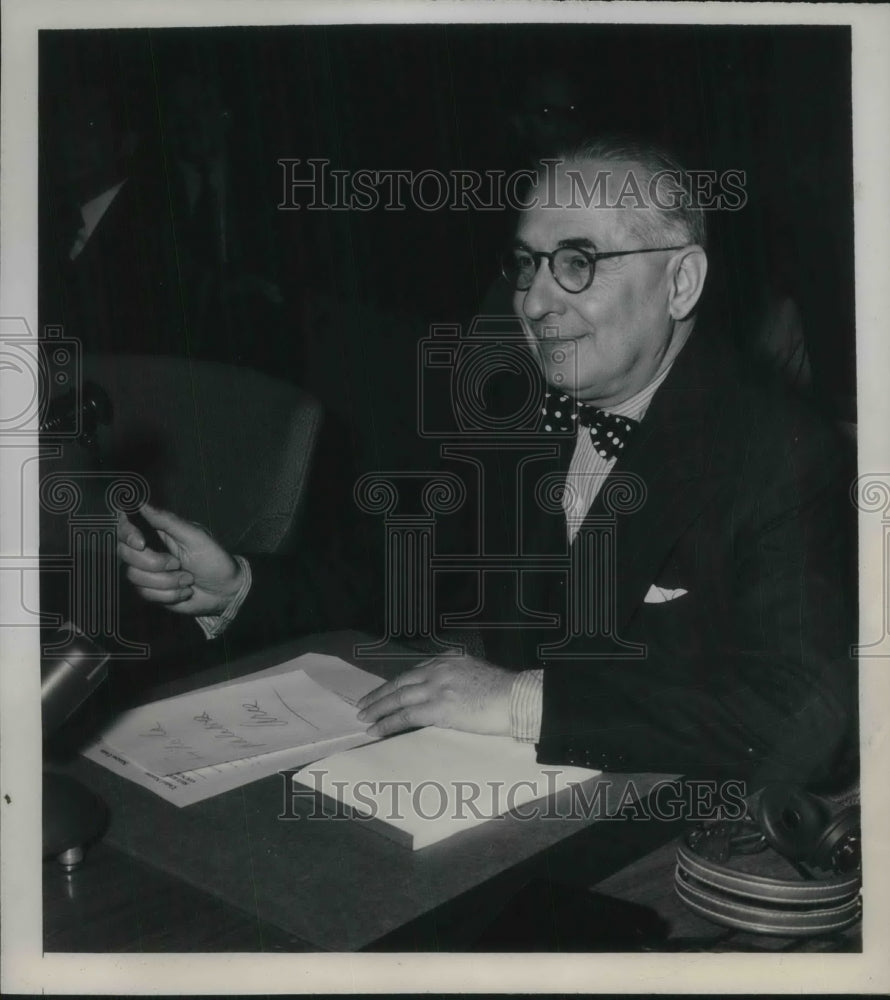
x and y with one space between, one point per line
24 968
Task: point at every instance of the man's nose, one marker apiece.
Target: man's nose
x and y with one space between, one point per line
544 296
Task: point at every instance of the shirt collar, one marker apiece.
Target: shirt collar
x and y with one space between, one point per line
635 407
95 208
91 213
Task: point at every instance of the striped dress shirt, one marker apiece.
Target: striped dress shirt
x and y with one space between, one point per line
587 472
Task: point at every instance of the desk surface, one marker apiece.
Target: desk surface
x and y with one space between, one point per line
321 884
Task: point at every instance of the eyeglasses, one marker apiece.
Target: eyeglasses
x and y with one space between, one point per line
572 267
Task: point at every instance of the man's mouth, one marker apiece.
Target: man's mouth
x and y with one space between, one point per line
553 335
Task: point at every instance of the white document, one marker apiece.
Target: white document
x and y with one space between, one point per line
298 710
349 682
188 787
432 783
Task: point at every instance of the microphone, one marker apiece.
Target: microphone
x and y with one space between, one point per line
70 671
69 675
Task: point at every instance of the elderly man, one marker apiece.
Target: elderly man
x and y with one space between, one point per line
731 586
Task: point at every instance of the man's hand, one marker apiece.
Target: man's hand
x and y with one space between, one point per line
195 576
453 692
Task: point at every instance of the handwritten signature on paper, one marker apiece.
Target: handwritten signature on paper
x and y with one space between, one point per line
258 716
221 732
252 715
172 744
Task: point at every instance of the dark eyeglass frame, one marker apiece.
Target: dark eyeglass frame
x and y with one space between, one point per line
592 256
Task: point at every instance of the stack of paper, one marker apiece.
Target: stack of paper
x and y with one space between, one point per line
207 742
423 786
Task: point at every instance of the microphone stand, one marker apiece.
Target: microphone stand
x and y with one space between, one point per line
72 815
71 668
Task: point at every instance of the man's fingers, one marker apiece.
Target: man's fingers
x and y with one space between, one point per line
133 551
148 559
166 596
171 526
393 701
416 675
159 581
128 533
386 690
379 694
404 718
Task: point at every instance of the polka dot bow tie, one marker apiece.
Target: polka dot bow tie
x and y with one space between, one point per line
609 432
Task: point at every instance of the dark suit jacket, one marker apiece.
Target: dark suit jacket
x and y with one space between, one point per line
138 288
122 293
746 508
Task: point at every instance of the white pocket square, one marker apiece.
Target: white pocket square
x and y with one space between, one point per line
658 595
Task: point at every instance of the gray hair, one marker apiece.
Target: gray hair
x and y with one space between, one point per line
676 218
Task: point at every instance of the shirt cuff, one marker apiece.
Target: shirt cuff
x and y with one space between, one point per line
213 626
527 706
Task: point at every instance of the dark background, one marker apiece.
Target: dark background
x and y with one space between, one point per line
362 287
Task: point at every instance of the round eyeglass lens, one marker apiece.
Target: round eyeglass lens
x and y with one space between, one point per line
572 269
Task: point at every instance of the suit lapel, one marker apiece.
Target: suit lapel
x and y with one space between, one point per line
104 229
676 459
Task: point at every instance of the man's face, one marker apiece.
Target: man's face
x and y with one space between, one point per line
606 343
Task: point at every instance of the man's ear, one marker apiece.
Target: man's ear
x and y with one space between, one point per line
689 267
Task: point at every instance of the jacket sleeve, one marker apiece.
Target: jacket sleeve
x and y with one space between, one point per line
775 696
